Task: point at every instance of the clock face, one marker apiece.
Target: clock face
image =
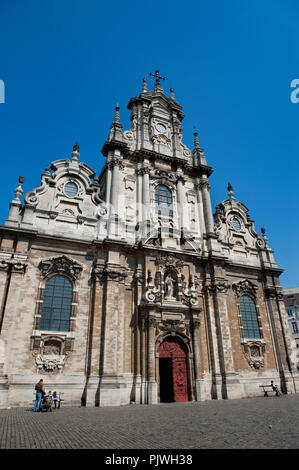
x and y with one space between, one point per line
161 128
236 224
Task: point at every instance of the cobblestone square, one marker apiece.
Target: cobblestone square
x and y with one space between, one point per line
256 423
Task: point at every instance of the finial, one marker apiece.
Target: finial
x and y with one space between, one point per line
265 238
196 141
75 152
116 116
144 85
19 191
171 94
231 193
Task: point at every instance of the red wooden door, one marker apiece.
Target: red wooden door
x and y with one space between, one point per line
179 375
174 348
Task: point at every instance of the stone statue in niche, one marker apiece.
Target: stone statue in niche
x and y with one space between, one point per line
169 287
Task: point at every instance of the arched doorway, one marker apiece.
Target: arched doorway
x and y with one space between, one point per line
173 370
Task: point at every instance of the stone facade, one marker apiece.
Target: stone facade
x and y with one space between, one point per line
291 301
156 282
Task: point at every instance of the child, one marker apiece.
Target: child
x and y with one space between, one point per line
56 399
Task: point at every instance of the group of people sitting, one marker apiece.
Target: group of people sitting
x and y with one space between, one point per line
41 396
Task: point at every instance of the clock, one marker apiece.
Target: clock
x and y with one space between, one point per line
161 128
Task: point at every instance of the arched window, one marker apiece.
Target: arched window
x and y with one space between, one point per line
163 201
57 304
249 318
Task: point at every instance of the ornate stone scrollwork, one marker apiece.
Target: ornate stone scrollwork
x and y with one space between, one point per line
170 261
189 295
50 356
173 327
4 265
50 363
245 287
273 292
205 184
254 351
152 293
217 285
161 139
109 273
18 267
60 265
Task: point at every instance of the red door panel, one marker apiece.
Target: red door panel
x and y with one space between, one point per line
174 348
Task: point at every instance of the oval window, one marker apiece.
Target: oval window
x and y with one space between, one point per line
236 224
70 189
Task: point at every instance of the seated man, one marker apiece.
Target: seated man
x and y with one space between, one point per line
56 399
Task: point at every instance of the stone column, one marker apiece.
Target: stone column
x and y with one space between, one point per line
145 199
115 196
207 208
182 205
108 183
114 186
200 210
151 360
139 200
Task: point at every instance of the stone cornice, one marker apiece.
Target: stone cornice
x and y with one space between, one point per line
114 144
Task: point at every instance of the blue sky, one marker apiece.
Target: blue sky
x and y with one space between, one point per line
66 63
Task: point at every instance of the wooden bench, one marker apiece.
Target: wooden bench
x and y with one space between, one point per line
268 389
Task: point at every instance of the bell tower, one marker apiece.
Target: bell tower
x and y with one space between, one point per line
156 188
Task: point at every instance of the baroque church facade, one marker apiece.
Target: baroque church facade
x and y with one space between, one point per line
126 288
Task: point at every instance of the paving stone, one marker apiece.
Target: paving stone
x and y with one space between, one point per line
256 423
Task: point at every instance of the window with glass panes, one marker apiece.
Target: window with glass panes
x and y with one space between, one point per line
163 201
57 304
249 318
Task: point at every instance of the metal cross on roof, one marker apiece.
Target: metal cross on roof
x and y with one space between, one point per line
157 76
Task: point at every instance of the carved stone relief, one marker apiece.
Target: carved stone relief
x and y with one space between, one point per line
254 351
60 265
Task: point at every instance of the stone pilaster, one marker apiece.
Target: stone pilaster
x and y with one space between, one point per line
280 337
11 311
212 339
230 381
94 341
196 358
151 361
113 349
